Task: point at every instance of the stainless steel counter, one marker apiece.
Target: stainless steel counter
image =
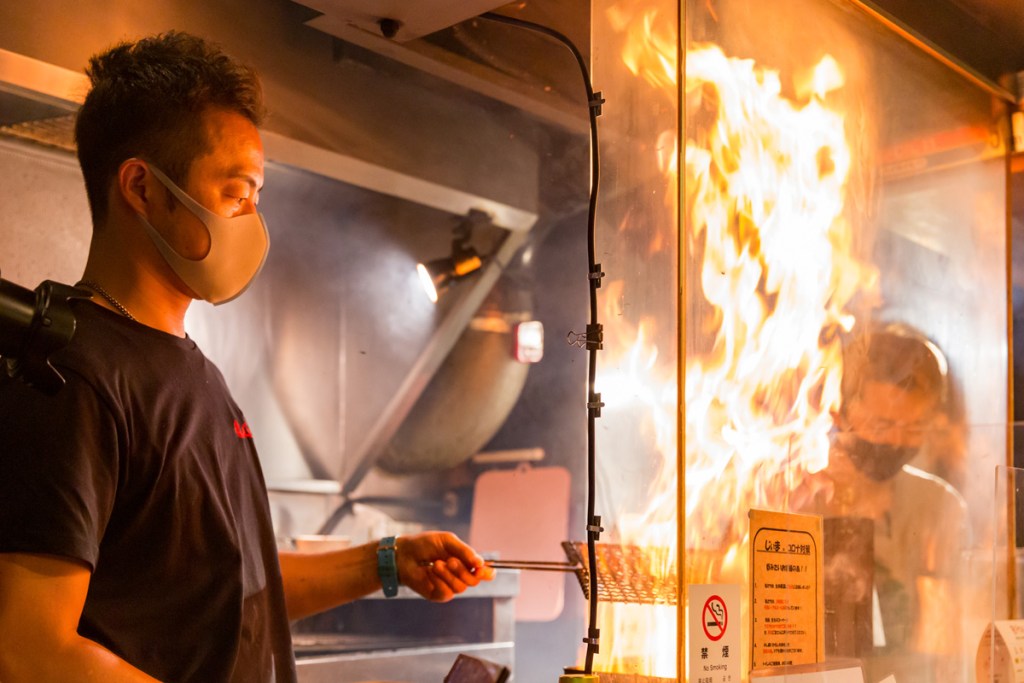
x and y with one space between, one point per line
410 665
408 639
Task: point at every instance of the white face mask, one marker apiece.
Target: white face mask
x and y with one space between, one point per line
238 249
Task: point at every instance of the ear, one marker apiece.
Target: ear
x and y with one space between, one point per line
136 185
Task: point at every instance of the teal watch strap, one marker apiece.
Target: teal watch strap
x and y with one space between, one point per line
386 567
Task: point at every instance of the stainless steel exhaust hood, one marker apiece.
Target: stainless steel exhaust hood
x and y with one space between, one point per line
469 56
408 20
38 101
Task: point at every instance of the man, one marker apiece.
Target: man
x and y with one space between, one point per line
135 536
895 385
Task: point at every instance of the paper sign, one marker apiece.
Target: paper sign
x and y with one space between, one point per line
1001 653
786 592
714 618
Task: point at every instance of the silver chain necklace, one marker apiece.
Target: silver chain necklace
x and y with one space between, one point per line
113 302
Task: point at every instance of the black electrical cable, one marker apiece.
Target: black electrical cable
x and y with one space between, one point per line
594 334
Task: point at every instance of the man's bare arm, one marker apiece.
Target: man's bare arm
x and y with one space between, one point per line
437 565
41 600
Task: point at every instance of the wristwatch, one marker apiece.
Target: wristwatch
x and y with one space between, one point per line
386 567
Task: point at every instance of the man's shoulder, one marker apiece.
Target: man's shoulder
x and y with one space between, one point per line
918 492
911 477
105 341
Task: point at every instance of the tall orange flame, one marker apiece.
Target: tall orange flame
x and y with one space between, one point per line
766 180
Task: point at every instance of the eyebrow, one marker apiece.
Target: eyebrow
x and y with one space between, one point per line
239 173
248 180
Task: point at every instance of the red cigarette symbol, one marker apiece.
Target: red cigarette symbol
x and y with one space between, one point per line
714 618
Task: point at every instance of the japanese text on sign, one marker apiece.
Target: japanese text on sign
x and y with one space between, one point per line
787 600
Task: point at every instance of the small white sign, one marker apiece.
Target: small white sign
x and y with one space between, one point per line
714 617
1001 653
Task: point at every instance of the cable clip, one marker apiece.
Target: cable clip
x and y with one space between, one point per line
596 274
596 103
576 339
593 638
595 528
593 338
595 404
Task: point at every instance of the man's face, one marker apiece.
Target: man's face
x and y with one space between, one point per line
226 180
886 414
885 426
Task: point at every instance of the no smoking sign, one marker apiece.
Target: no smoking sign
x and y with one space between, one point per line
714 618
714 654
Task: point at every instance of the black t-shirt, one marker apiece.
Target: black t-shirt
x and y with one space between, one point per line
144 468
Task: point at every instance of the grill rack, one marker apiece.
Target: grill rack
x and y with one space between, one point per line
624 574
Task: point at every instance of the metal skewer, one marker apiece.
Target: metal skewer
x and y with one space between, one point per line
533 565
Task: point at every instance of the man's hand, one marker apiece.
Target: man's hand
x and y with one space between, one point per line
438 566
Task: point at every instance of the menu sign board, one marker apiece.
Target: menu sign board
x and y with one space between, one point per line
787 599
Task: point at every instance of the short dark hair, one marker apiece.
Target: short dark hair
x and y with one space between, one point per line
896 354
148 99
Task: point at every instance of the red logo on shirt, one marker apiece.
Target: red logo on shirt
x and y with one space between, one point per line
242 430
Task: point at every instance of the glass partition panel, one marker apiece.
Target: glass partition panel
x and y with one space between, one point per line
845 299
841 317
634 65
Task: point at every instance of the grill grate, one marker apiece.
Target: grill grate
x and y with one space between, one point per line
625 574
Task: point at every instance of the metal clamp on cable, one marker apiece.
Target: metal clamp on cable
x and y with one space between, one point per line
594 529
595 404
596 274
387 569
592 339
593 638
597 102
